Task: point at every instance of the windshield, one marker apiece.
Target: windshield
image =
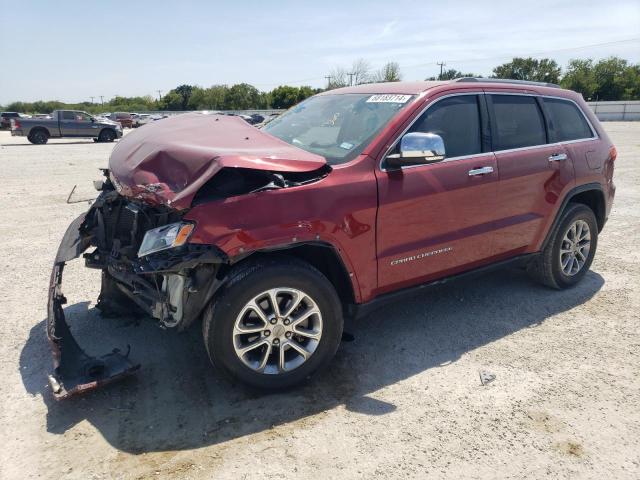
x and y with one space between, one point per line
338 127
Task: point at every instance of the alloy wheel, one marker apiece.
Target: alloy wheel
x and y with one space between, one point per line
575 246
277 331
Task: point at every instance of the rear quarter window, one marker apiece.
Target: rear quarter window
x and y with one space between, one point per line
518 122
566 121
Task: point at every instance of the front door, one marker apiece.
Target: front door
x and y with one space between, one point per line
437 219
68 123
84 126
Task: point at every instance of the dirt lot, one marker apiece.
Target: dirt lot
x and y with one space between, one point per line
403 400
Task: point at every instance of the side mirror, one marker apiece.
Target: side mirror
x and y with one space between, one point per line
92 119
418 148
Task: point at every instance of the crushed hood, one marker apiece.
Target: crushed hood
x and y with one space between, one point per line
167 161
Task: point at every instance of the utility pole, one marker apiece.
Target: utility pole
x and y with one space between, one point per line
328 77
442 64
351 78
159 94
102 100
92 99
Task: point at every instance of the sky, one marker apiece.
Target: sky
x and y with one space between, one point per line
73 50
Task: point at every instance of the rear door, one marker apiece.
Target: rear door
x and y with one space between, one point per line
533 171
437 219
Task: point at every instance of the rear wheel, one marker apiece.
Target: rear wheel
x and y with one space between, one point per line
276 322
39 137
107 135
570 250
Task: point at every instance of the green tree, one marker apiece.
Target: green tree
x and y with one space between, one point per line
616 80
171 101
242 96
284 96
544 70
580 77
185 92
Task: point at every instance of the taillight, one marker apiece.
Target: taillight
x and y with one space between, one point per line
613 153
15 124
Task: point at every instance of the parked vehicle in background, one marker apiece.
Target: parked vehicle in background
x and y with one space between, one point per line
256 118
5 118
141 119
354 197
123 118
65 123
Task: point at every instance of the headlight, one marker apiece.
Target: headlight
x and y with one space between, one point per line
163 238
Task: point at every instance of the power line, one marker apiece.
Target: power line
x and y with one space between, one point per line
534 54
477 59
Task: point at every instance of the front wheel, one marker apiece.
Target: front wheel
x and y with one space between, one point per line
570 250
277 321
107 135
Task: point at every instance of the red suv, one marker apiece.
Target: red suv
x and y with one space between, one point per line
354 197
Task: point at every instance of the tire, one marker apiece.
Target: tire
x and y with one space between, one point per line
549 268
107 135
249 281
39 137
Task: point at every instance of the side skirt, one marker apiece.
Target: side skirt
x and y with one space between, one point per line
363 309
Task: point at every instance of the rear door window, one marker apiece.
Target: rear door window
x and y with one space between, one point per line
457 121
518 122
566 121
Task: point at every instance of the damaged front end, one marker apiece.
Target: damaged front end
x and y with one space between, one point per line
172 285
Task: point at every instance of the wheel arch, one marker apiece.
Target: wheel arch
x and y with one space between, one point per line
40 129
322 256
115 134
589 194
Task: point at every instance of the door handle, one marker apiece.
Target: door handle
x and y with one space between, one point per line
480 171
556 157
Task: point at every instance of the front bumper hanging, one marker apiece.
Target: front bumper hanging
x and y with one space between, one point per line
75 371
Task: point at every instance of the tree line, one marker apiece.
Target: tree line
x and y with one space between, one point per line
612 78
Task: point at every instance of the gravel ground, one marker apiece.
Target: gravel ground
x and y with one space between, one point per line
403 400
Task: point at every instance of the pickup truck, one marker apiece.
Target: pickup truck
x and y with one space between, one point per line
63 124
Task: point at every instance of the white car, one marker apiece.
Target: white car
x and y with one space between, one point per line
140 119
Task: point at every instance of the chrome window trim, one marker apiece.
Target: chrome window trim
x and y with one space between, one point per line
464 157
426 107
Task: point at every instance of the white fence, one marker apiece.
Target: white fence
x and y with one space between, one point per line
615 111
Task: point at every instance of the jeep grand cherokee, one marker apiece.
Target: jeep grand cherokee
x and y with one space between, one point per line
270 237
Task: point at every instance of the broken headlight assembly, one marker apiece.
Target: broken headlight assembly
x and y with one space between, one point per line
165 237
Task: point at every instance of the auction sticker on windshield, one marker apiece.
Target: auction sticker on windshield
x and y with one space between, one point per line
388 98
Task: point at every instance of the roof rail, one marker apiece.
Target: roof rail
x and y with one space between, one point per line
506 80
